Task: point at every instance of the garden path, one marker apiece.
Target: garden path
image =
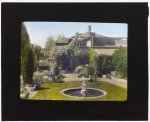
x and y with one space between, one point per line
118 82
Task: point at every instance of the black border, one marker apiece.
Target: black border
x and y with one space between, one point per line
134 14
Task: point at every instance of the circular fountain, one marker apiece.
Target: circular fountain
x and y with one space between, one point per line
91 92
84 92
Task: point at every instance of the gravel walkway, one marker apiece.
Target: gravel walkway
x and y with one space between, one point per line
118 82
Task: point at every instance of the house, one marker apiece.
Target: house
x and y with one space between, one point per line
101 44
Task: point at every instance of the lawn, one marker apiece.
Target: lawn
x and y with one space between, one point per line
52 91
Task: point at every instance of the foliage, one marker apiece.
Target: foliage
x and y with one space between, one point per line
37 54
120 61
72 48
27 56
28 65
49 43
85 70
25 41
24 38
44 55
92 56
63 49
37 50
40 77
90 70
77 51
60 38
82 70
78 69
44 64
56 70
52 52
103 64
58 78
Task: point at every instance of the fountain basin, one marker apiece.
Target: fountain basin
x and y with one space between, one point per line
76 92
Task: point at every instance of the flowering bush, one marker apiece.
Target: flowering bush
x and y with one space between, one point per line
81 70
43 64
40 77
78 69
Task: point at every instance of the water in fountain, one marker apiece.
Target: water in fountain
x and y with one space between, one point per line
84 91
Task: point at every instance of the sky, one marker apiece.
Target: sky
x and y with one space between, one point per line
40 31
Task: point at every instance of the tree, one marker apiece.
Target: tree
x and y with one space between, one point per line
37 54
43 64
28 65
60 38
90 70
82 70
93 65
49 43
56 70
52 52
25 41
37 50
120 61
27 56
24 38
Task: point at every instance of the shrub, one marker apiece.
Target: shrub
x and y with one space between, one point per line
39 78
44 64
85 73
58 78
90 70
78 69
120 61
81 70
28 66
56 70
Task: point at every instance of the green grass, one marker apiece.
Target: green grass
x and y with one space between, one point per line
52 91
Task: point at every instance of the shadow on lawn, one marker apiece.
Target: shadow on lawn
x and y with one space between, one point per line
43 88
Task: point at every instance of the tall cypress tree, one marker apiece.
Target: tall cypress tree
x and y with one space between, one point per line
27 56
24 38
29 66
93 65
25 41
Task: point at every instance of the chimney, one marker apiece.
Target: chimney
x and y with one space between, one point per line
89 28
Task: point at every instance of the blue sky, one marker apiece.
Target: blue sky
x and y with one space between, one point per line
40 31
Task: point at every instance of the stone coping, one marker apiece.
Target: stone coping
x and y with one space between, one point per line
62 92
